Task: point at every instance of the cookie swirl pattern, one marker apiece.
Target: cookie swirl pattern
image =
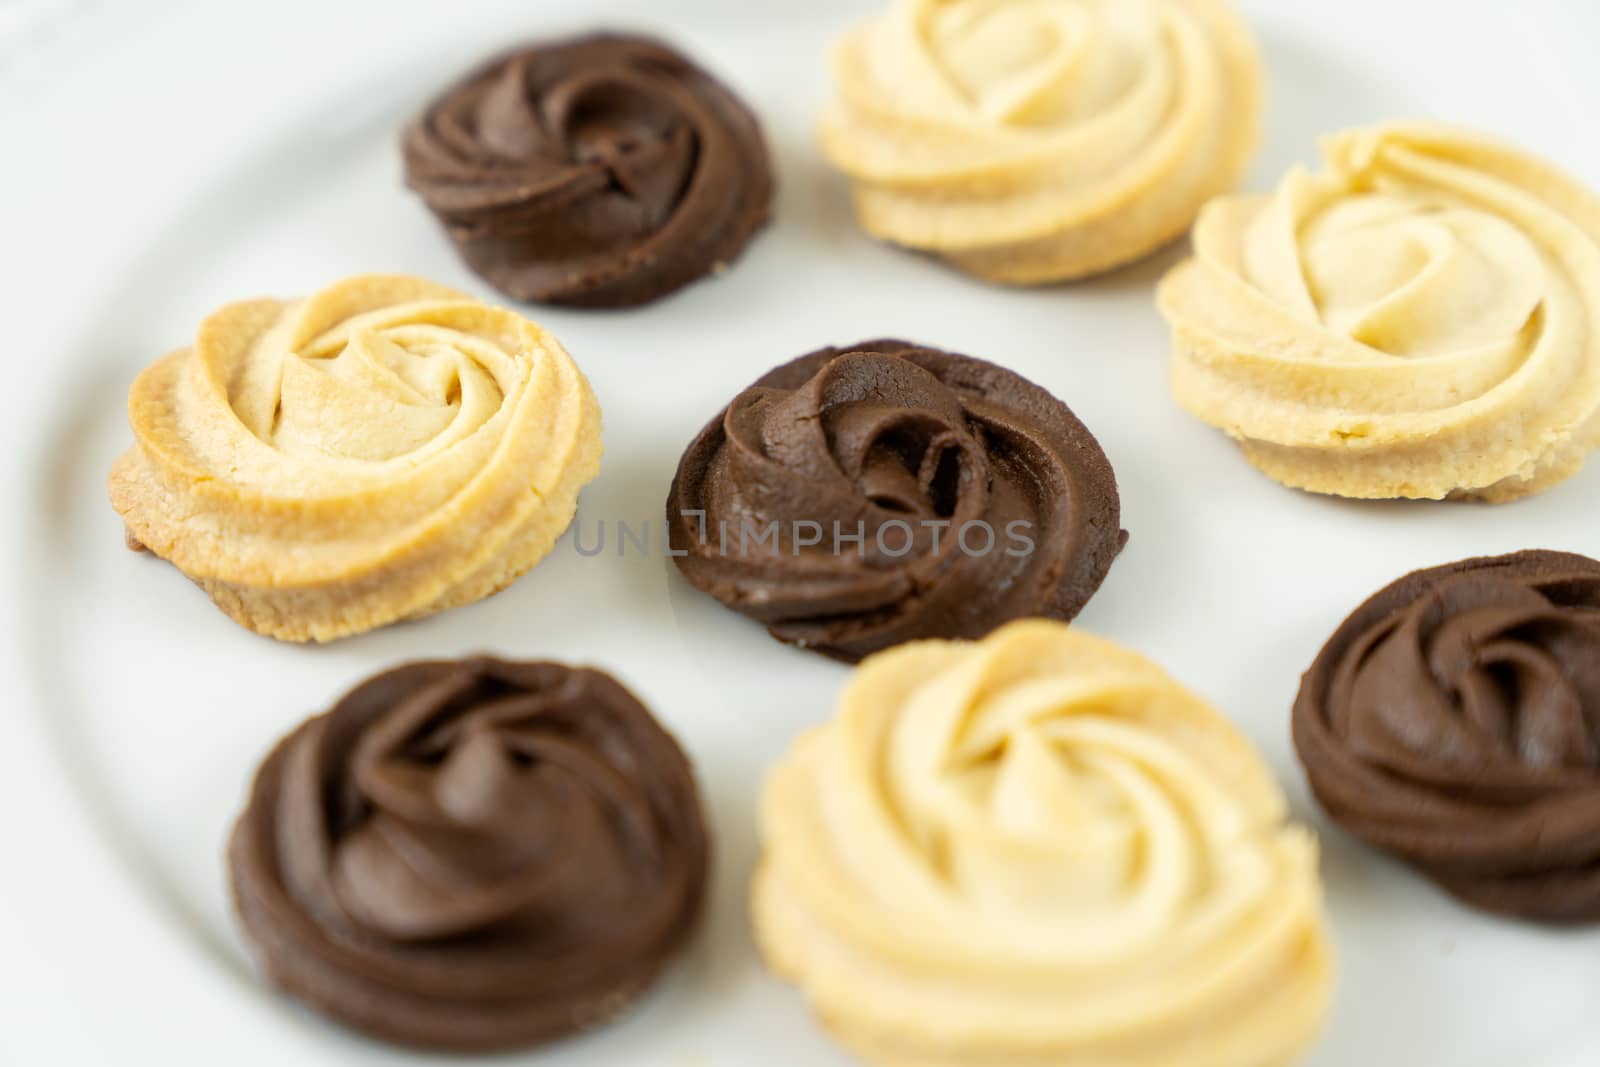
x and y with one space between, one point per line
601 171
1039 849
1037 142
859 497
472 855
1454 720
383 449
1420 320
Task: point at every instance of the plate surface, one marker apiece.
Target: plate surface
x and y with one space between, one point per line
162 158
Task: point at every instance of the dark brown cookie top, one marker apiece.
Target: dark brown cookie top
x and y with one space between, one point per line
860 497
472 855
602 171
1454 719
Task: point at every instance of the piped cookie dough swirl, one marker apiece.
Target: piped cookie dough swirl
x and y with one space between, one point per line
1420 320
1043 141
1454 720
472 855
383 449
602 171
1040 849
863 496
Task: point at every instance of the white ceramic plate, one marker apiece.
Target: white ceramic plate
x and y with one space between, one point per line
159 158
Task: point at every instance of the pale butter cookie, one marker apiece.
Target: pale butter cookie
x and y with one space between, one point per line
1419 320
1040 141
381 450
1037 850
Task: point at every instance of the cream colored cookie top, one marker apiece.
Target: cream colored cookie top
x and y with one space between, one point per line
1419 320
1036 140
381 449
1040 849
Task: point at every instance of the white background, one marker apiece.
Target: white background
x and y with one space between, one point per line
159 158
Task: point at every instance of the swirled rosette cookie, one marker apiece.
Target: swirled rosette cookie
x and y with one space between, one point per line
472 855
1417 321
1036 850
859 497
381 450
604 171
1040 141
1454 720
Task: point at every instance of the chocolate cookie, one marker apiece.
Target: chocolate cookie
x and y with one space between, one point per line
472 855
1454 720
860 497
603 171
